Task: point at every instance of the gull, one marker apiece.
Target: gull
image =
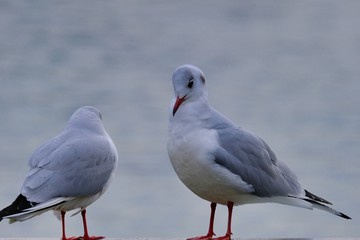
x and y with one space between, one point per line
67 172
222 163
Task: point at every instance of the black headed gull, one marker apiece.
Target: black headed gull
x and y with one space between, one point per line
67 172
222 163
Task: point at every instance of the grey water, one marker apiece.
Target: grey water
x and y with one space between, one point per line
288 71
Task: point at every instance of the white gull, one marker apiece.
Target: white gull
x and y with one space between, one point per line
222 163
67 172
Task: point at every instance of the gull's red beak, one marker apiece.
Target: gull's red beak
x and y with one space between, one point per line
179 101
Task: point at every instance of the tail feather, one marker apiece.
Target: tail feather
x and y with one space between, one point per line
322 204
19 205
23 210
316 198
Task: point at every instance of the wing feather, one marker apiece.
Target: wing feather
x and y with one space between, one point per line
251 158
76 168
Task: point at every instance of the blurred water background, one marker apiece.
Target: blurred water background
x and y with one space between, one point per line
287 70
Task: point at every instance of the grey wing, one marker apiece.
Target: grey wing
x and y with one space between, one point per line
78 167
40 156
249 157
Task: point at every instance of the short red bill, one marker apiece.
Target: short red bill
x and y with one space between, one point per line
179 101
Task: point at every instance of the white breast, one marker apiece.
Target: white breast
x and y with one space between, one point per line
191 154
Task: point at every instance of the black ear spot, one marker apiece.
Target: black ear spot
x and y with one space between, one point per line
191 83
202 78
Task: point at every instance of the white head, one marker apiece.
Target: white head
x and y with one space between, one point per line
189 85
86 117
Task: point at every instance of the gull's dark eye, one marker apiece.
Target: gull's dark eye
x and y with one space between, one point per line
191 82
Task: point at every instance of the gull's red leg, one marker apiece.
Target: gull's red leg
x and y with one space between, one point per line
63 229
63 225
210 233
86 233
228 234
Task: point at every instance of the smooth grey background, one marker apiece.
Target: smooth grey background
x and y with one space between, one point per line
286 70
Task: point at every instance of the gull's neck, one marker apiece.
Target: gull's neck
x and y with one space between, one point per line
192 113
